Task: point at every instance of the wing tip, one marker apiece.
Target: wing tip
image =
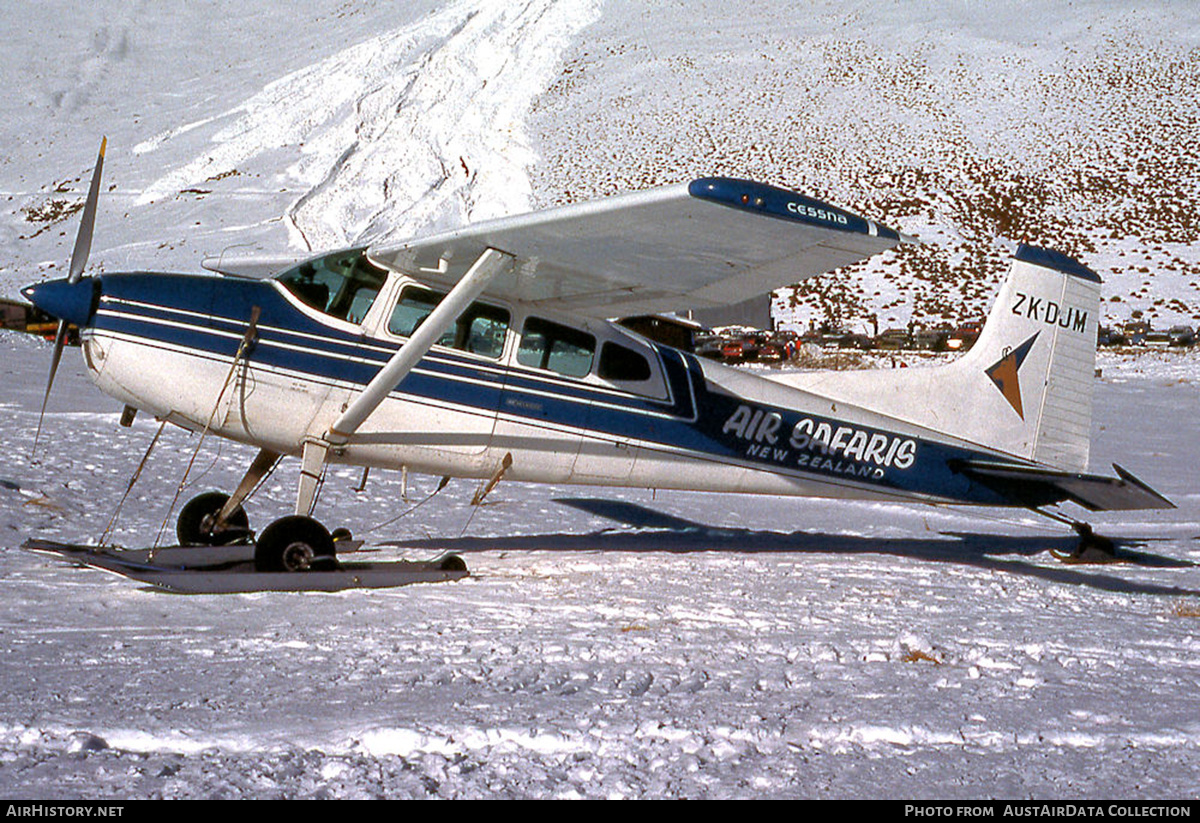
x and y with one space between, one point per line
762 198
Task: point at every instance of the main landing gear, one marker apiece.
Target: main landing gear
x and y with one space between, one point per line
290 544
198 522
293 543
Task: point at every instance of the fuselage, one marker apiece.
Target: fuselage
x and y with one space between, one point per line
571 400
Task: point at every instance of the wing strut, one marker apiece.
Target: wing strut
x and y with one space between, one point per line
487 266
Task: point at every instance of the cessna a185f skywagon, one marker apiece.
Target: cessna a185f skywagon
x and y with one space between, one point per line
490 350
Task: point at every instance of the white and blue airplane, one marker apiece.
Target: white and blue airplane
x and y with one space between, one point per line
491 350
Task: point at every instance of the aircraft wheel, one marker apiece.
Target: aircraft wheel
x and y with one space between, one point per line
195 524
1093 548
453 563
294 544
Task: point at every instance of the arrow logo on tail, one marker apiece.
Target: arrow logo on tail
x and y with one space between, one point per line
1004 374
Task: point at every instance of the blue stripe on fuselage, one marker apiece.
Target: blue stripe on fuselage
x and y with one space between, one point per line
150 307
210 315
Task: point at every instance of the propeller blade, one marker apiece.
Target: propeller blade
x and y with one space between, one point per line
60 340
79 257
83 240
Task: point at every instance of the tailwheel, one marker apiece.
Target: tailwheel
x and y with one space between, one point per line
293 544
197 521
1092 547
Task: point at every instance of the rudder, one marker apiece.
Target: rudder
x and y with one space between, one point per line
1037 352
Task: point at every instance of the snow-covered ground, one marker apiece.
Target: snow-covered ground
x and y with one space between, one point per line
608 643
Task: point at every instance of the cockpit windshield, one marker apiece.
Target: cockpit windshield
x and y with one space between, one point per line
343 284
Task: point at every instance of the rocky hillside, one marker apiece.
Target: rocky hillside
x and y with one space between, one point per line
973 127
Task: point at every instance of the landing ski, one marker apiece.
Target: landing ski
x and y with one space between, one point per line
230 569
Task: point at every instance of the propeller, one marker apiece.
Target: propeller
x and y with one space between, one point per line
79 256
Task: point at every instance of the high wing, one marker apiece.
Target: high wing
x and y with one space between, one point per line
712 242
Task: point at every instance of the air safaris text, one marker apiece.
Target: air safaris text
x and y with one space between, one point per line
815 439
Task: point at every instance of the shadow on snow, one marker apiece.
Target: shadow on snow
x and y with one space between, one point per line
657 531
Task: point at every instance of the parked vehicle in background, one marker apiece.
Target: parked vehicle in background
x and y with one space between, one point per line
1154 337
770 353
739 350
1108 336
932 339
861 342
709 345
1135 332
964 336
1181 336
893 340
831 339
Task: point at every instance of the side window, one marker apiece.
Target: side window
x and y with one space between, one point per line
480 330
618 362
562 349
411 310
342 285
485 332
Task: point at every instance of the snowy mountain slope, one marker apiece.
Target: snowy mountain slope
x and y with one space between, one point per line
415 129
358 122
1072 125
1069 125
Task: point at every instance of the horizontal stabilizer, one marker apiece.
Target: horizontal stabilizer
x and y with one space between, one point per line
1032 486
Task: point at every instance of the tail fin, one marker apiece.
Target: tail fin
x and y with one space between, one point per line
1024 388
1029 376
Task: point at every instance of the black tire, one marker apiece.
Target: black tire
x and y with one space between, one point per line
294 543
194 526
453 563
